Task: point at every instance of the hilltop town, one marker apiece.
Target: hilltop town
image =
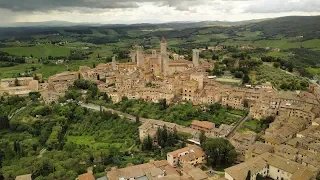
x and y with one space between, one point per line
288 149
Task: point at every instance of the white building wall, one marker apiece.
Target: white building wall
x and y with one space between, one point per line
227 176
170 160
276 173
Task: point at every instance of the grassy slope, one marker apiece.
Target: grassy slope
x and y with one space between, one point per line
38 51
45 70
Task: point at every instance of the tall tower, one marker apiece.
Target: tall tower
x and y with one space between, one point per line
133 56
195 58
140 57
164 57
114 63
163 46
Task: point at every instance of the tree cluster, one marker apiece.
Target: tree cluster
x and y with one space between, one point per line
163 137
220 152
7 60
77 55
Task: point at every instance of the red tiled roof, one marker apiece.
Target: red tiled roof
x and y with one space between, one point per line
203 124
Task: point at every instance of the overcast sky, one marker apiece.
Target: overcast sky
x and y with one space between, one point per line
151 11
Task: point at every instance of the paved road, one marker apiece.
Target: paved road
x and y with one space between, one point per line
237 126
18 111
121 114
41 153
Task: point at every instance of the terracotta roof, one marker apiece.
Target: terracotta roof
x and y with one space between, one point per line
195 103
286 149
86 176
303 174
194 173
193 155
240 171
148 170
203 124
186 149
260 148
274 140
255 165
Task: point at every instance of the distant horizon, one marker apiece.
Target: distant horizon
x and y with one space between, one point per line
16 24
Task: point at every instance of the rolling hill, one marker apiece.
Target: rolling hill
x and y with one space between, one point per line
291 26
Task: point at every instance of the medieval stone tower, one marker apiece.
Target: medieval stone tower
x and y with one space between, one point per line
195 58
164 62
133 55
114 63
140 56
163 46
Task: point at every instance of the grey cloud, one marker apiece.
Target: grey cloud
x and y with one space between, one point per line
65 5
278 6
44 5
88 6
6 16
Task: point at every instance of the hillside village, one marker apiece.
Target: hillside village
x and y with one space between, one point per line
288 149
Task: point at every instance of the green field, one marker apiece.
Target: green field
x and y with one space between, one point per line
253 125
312 44
45 70
314 71
38 51
276 54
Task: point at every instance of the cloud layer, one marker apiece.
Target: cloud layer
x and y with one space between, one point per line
44 5
278 6
134 11
254 6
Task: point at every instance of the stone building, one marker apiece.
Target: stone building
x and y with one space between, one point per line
195 57
11 82
61 82
257 149
234 100
242 142
157 170
204 126
272 166
150 128
18 86
151 170
192 155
